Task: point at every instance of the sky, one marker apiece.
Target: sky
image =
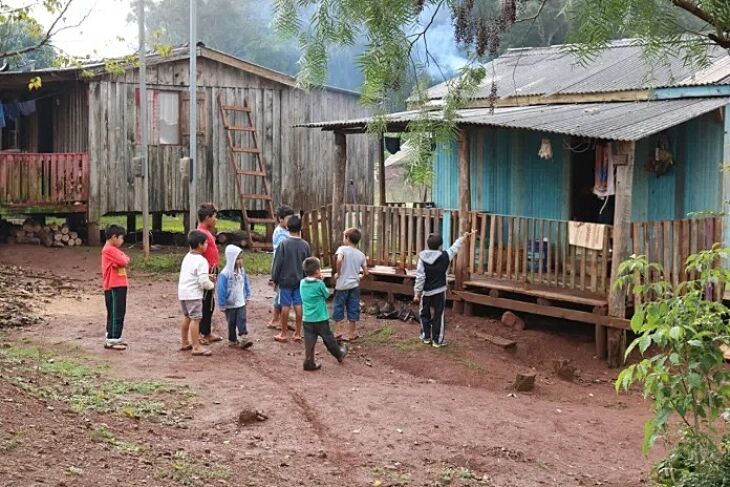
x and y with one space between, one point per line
104 32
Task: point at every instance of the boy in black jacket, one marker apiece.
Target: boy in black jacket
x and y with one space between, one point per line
287 272
430 287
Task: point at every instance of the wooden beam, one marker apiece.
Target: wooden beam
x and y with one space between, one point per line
463 258
339 169
622 248
552 311
381 168
157 222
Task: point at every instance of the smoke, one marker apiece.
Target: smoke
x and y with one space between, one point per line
444 57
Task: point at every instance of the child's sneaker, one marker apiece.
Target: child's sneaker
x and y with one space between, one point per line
244 342
427 341
439 345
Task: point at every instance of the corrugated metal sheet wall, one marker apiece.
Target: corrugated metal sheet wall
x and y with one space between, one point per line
693 184
507 176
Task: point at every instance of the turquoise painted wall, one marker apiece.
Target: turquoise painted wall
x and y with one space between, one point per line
695 181
507 176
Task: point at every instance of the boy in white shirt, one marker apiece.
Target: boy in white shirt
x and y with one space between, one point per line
194 280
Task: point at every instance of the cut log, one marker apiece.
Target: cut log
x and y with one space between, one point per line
513 321
524 382
73 235
79 241
65 230
497 340
53 228
57 236
65 237
71 242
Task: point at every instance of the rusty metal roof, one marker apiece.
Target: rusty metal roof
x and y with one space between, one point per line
545 71
612 121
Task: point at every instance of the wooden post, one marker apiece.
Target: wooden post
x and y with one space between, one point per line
462 259
339 169
132 224
157 222
381 168
621 248
92 237
186 223
601 351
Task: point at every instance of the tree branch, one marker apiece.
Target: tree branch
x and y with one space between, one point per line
695 10
44 39
534 17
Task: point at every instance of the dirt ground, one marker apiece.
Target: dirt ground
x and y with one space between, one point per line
395 413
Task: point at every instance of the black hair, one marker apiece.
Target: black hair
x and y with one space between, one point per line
206 210
434 241
294 224
354 235
311 265
283 212
114 231
196 238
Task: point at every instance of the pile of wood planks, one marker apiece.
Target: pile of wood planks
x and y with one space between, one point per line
32 232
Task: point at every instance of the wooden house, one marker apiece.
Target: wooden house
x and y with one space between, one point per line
74 153
526 169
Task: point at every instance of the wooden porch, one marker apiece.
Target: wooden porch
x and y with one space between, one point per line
48 183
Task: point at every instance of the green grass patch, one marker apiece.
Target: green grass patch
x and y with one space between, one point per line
167 261
409 344
84 386
102 434
190 473
175 224
381 336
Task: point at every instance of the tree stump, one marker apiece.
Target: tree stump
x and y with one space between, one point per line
524 382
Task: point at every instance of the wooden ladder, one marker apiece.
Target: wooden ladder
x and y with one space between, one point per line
240 160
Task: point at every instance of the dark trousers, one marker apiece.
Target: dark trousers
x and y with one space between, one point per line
314 330
116 308
432 325
208 308
236 318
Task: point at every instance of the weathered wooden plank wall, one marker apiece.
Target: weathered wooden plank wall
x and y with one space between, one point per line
71 119
297 159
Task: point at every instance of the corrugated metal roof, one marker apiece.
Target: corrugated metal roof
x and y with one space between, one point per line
545 71
611 121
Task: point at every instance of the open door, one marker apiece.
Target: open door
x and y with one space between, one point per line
585 206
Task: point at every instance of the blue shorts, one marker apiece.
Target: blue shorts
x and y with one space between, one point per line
349 300
277 304
289 297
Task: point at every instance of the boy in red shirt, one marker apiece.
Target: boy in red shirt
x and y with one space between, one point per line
207 218
114 264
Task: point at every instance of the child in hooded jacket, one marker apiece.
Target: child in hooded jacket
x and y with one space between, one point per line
233 291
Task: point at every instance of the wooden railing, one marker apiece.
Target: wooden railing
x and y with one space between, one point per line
525 251
670 242
537 251
37 181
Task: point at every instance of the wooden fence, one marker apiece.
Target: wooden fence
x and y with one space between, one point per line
537 251
521 250
55 181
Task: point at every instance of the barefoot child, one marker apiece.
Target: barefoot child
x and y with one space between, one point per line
194 281
233 290
280 234
350 261
287 273
433 265
316 318
114 264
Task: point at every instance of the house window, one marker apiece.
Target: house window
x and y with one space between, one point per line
163 117
169 117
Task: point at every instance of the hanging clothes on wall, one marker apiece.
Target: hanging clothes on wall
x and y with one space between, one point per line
26 107
12 111
603 185
2 116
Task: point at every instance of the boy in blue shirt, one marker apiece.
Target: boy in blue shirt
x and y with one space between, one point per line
280 234
233 291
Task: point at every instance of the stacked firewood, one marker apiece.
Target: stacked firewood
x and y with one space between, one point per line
32 232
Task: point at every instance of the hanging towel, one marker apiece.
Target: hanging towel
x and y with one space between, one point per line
603 182
586 235
2 116
26 107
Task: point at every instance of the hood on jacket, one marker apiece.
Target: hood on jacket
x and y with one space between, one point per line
430 256
232 252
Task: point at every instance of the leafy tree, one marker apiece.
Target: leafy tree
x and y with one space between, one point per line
22 35
16 36
685 375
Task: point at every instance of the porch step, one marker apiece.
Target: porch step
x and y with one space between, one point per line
567 295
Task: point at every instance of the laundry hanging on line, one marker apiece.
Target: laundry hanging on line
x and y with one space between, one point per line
603 182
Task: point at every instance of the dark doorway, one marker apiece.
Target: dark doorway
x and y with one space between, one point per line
45 124
584 205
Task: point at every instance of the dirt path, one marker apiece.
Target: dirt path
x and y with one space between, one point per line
395 412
